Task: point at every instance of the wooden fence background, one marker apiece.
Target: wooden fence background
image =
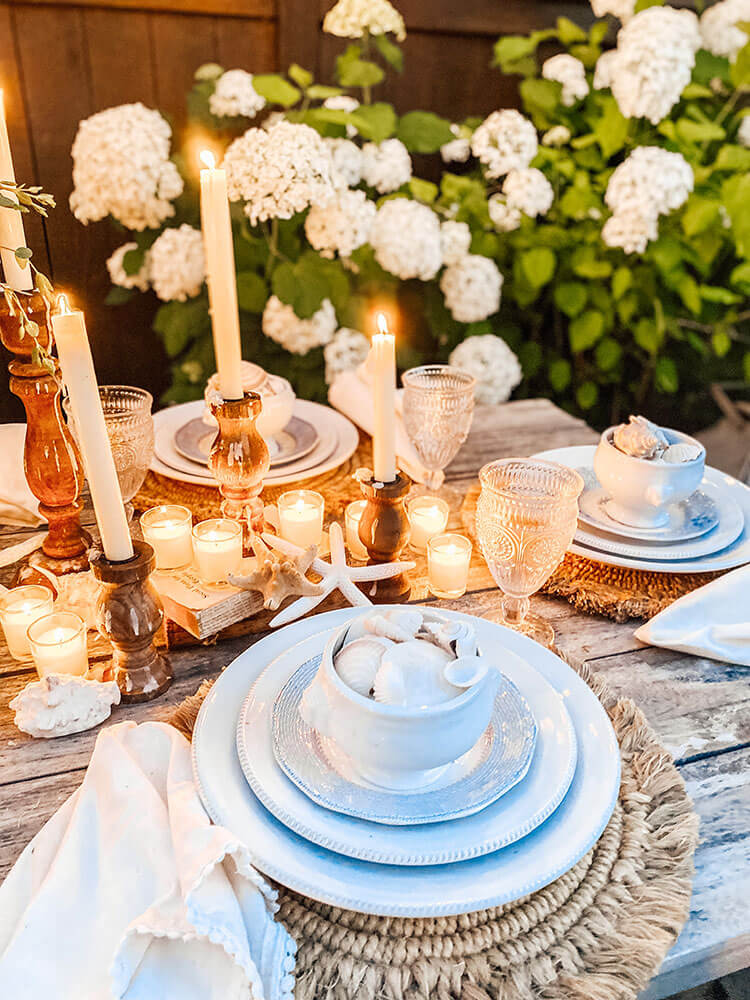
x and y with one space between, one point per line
60 62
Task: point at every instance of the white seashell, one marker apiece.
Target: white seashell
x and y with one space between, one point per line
640 438
681 452
400 624
358 662
466 671
60 704
411 676
456 638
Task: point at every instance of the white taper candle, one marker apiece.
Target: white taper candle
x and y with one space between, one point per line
12 235
382 366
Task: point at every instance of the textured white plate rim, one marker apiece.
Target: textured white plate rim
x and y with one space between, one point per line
277 458
628 533
736 554
433 890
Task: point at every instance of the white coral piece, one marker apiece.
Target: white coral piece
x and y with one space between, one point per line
61 704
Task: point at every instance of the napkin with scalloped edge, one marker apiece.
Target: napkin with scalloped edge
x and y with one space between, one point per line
130 892
712 621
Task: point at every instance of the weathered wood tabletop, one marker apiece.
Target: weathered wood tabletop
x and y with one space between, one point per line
699 708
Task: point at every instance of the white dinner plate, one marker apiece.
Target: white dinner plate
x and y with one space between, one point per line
735 554
505 820
433 890
195 438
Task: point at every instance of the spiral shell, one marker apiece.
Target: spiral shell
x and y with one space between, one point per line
358 662
681 452
411 676
640 438
456 638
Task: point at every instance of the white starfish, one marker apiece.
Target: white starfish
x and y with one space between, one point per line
337 575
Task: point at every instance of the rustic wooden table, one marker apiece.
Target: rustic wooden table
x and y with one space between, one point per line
699 708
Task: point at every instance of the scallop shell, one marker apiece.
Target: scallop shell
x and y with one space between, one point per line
357 663
640 438
411 676
681 452
400 624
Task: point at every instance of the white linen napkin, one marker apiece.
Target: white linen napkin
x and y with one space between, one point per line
18 505
351 393
130 892
713 621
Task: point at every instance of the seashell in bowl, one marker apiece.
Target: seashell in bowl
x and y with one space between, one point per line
640 438
358 662
400 625
456 638
681 452
466 671
411 675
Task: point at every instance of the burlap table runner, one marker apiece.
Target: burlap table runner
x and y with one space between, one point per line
600 932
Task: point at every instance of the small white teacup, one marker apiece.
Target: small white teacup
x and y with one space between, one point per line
642 489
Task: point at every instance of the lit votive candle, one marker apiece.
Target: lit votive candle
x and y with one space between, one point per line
58 644
428 516
301 517
20 608
353 515
168 530
448 558
217 548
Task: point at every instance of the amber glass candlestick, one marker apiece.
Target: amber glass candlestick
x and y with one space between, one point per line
52 463
384 532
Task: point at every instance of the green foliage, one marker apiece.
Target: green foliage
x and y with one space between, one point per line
276 89
423 131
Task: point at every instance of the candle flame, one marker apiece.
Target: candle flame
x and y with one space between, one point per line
382 323
208 159
63 307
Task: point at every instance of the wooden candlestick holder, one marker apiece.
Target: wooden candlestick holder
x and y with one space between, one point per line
129 613
384 532
52 463
239 461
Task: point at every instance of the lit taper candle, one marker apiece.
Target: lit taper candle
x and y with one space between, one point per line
382 366
12 235
216 224
78 373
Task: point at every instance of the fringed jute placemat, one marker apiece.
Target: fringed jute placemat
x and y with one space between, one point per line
613 591
600 932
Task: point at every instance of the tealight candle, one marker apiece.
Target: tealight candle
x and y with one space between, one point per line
59 644
353 515
168 530
428 516
20 608
448 558
217 548
301 517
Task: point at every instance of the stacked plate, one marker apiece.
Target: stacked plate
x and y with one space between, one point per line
316 440
516 812
708 531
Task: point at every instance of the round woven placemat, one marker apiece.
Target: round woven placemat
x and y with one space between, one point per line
599 932
598 588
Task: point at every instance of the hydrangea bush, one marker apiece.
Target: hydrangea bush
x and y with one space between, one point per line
593 246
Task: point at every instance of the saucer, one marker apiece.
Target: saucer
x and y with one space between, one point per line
193 441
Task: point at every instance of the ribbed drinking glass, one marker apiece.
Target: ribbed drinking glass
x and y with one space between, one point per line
437 411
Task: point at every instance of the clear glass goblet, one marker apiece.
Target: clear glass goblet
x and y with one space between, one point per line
526 517
437 411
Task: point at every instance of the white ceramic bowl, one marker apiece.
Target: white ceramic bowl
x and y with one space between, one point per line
390 746
276 393
641 489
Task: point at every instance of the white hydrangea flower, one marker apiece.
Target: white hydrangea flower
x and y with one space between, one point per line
273 119
458 150
528 191
455 239
558 135
743 132
654 61
623 10
281 323
492 363
341 224
630 231
118 275
406 239
343 102
176 264
503 217
386 166
279 172
651 181
235 94
718 26
347 162
570 73
472 288
505 141
121 167
352 18
605 69
348 349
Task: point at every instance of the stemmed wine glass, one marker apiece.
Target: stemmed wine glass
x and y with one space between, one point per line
437 410
526 517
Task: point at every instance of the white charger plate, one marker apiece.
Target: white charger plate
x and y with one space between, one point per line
392 890
735 554
504 820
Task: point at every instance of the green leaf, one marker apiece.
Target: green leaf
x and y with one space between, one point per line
133 260
6 202
647 336
732 158
598 32
559 374
587 395
607 354
570 297
538 266
585 330
252 292
739 72
709 67
540 95
699 214
276 89
714 293
666 253
424 191
666 378
586 263
22 255
180 323
741 274
611 129
696 90
375 122
721 343
423 131
389 51
735 193
622 280
284 283
118 296
353 71
302 77
687 289
514 53
530 357
690 131
319 92
569 33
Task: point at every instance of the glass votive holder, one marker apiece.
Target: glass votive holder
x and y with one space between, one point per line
217 548
448 558
301 517
428 516
168 530
59 644
352 517
19 608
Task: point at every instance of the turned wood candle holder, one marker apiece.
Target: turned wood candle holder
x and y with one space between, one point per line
129 613
239 461
52 463
384 532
